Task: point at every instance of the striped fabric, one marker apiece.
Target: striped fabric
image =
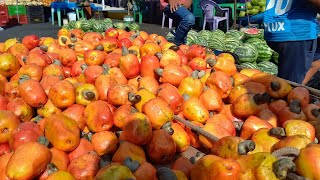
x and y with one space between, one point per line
293 20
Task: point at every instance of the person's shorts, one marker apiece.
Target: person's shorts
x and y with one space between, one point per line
317 53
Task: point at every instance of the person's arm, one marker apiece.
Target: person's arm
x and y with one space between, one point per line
174 4
187 4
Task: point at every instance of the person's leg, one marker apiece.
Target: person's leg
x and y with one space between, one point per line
186 21
295 58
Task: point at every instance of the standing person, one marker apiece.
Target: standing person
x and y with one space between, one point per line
291 30
179 11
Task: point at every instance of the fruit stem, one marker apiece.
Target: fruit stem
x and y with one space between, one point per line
211 62
133 98
88 95
174 47
295 107
99 48
287 152
24 78
167 127
201 73
158 71
57 62
106 69
164 173
278 132
133 165
125 51
195 158
44 48
43 140
52 168
245 147
195 74
196 128
63 40
261 98
105 160
315 112
282 167
275 86
159 55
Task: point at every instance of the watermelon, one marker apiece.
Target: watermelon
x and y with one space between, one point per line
119 25
264 52
254 33
231 44
234 34
98 26
107 21
201 41
86 25
134 27
66 27
72 24
77 25
191 37
268 67
246 53
275 57
248 65
255 41
218 33
170 37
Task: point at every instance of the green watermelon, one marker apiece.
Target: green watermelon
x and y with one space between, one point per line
234 34
107 21
264 52
170 37
268 67
72 24
98 26
191 37
77 25
67 27
248 65
231 44
86 25
255 41
246 53
275 57
206 34
134 27
119 25
201 41
218 33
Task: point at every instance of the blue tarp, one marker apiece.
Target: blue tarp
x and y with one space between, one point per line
63 5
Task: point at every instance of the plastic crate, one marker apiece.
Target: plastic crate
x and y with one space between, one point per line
35 14
3 10
13 20
14 10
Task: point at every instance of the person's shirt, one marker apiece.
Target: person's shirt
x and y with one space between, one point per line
290 20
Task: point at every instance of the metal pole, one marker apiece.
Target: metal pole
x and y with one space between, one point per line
234 14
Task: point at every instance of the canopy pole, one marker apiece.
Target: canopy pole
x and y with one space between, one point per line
234 14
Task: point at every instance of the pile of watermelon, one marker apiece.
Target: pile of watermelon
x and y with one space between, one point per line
248 44
93 25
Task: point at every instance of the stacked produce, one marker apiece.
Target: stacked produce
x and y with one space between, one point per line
253 7
88 106
248 44
26 2
93 25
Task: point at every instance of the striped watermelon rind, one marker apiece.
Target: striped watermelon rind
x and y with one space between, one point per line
191 37
264 53
246 53
201 41
98 27
134 27
234 34
231 44
120 25
248 65
268 67
86 25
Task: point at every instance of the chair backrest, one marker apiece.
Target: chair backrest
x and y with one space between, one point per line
208 7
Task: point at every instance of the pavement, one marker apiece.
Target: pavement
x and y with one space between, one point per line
49 30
